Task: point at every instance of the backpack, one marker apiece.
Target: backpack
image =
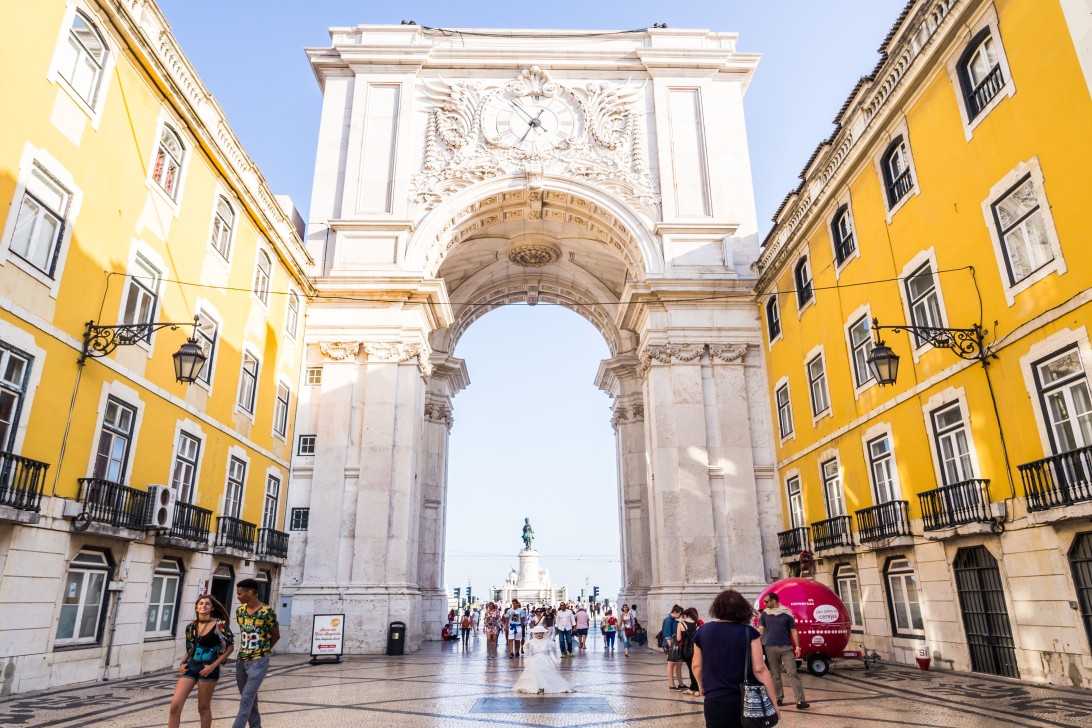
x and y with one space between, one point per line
688 642
466 622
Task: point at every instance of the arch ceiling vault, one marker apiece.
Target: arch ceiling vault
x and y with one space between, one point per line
457 172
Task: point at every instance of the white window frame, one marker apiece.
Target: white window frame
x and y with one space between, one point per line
94 111
37 157
292 315
1005 185
216 231
783 384
208 316
142 261
1041 350
312 376
775 301
282 410
924 257
192 430
843 202
167 133
848 588
272 495
248 351
871 435
173 202
15 387
834 491
818 354
893 571
308 442
87 562
235 454
795 499
987 19
879 161
166 572
258 293
803 263
937 402
299 518
127 396
23 342
864 312
1081 440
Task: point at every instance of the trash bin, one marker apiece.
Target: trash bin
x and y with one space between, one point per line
396 639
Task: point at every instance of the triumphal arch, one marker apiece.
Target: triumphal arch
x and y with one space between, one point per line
461 170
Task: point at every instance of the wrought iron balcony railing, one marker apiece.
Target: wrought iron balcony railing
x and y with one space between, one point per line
113 504
21 482
272 543
900 186
984 92
793 541
887 520
954 505
235 533
1058 480
832 533
191 523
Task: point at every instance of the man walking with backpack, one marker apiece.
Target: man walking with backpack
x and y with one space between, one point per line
781 643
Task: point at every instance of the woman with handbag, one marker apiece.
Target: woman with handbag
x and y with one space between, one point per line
688 626
209 642
727 663
629 625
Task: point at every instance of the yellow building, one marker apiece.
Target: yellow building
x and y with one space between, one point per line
951 508
123 492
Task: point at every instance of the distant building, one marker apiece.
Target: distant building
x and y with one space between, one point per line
951 508
530 583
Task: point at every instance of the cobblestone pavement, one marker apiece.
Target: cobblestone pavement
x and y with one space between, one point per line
444 685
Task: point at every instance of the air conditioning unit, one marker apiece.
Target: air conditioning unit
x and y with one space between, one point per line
160 513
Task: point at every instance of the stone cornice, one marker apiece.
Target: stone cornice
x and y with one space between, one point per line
148 36
856 125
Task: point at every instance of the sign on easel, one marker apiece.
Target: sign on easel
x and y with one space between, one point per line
327 637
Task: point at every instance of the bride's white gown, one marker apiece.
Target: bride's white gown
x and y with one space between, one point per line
540 671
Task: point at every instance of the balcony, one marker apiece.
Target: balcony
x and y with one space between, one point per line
885 521
272 543
793 541
983 93
189 529
114 505
21 483
832 533
1058 480
234 535
955 505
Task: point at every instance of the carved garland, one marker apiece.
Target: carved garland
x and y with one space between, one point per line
685 353
394 351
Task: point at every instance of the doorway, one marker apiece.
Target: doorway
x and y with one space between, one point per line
985 615
223 585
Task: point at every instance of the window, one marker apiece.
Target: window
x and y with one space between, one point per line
292 317
897 178
881 464
83 59
1022 231
796 502
832 489
207 332
784 411
248 383
860 344
306 445
802 276
40 222
269 506
817 386
280 410
921 292
233 493
14 375
773 318
980 73
841 230
313 376
262 275
141 295
83 601
184 473
902 590
953 446
223 222
1065 398
117 433
300 517
163 603
263 590
167 168
849 591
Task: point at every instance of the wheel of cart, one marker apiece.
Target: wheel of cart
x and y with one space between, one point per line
818 664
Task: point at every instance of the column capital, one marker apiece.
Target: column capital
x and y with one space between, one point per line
668 354
439 413
339 350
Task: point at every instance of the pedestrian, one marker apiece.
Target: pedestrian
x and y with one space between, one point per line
541 674
538 619
492 628
258 632
582 621
209 642
475 617
629 627
667 641
723 647
565 623
514 619
688 626
551 618
781 642
464 625
610 630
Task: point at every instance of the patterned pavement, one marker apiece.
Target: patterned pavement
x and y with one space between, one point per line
445 685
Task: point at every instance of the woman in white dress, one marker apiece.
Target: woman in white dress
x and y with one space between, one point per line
541 674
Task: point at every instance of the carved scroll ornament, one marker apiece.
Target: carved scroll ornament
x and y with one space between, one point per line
685 353
339 350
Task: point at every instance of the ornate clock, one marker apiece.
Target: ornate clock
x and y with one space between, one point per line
530 123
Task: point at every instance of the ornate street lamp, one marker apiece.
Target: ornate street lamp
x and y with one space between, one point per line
964 343
98 341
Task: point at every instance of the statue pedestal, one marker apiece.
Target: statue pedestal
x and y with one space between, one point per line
529 577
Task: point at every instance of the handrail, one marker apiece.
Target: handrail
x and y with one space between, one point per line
883 521
832 533
1058 480
113 504
235 533
21 482
956 504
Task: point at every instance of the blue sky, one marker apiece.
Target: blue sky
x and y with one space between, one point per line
532 435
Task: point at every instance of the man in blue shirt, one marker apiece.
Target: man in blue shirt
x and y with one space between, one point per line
670 626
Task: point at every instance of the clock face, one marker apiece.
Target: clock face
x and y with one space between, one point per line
531 123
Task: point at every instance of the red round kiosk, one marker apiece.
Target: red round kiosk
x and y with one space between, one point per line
822 621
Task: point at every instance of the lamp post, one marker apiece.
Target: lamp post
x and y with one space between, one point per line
98 341
964 343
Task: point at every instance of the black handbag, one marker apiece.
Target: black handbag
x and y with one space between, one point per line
758 710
